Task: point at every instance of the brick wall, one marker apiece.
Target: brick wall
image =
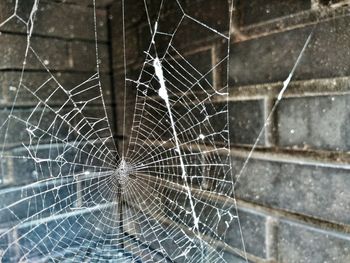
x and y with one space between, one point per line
64 39
293 195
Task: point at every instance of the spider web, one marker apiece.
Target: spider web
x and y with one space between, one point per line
162 194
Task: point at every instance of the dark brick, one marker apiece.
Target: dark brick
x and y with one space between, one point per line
61 236
132 51
33 80
134 13
271 58
212 13
95 123
37 202
78 22
99 3
246 119
23 119
331 2
302 243
252 229
311 190
256 11
52 52
315 122
193 73
23 11
228 257
83 56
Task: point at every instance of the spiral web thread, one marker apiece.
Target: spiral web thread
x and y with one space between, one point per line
165 195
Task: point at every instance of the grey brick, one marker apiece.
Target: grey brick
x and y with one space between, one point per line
189 74
302 243
23 119
246 119
228 257
83 56
60 237
23 11
271 58
99 3
33 80
214 15
56 54
134 13
256 11
315 122
311 190
132 51
252 228
36 202
53 52
78 22
331 2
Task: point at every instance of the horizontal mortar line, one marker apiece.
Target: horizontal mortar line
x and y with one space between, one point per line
28 106
308 18
203 194
300 88
266 211
64 2
64 180
54 71
46 145
297 218
76 212
67 39
319 158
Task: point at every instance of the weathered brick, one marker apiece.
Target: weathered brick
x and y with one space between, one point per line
99 3
36 202
33 80
252 228
132 52
311 190
44 125
83 56
53 52
212 13
256 11
303 243
271 58
134 13
190 73
78 22
315 122
228 257
61 237
26 124
331 2
95 123
246 119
